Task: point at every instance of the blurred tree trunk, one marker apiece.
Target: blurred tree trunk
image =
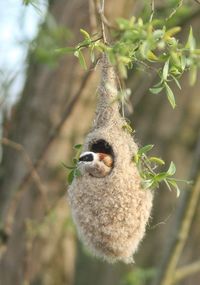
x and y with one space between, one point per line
43 249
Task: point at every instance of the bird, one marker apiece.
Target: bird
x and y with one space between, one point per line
96 164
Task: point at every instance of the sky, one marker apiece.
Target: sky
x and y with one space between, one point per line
18 25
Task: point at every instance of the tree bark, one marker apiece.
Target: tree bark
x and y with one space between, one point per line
46 95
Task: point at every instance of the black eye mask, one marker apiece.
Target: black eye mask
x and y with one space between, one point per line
87 157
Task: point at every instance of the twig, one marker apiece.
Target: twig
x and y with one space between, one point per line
167 274
34 175
101 12
100 4
108 24
86 45
186 271
185 216
180 3
14 201
93 16
18 147
58 128
102 16
152 10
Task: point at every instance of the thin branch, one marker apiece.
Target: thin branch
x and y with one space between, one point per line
152 10
100 4
86 45
102 16
101 11
167 274
18 147
93 16
58 128
26 180
186 271
34 175
180 3
108 24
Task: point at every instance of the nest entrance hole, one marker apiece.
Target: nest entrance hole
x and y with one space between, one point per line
102 146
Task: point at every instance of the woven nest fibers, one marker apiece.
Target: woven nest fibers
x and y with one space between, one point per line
110 212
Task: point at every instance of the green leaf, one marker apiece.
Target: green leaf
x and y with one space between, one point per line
85 34
66 166
122 70
147 183
78 53
174 184
144 49
159 84
188 182
151 56
70 177
183 62
127 128
168 185
174 70
77 172
75 160
171 32
92 55
170 95
135 158
166 70
82 60
145 149
191 43
157 160
192 75
172 169
65 50
176 81
160 176
156 90
78 146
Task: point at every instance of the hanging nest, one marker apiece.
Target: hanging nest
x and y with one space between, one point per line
110 212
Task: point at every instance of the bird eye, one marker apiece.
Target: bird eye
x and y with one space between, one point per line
87 157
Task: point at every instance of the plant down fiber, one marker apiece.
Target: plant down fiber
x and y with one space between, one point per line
111 213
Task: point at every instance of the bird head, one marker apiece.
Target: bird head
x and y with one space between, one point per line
90 157
97 164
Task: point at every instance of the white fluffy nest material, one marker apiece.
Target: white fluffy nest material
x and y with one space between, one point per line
111 213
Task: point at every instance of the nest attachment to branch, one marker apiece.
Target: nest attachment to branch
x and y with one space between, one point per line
110 212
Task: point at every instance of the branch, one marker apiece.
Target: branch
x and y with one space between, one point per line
152 10
186 213
26 180
186 271
34 174
93 16
167 273
180 3
100 10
